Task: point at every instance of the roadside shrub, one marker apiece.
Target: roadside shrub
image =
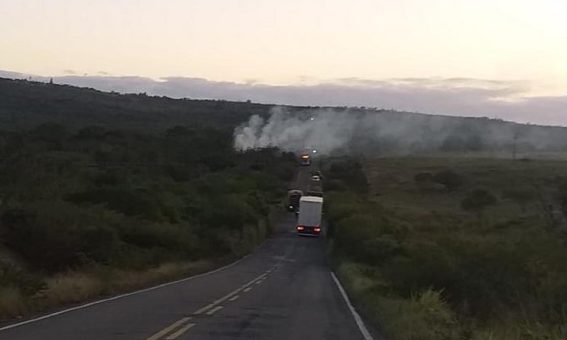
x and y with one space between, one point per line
423 177
124 200
352 231
12 302
425 316
335 185
175 238
338 206
56 235
450 179
229 211
350 172
478 200
27 283
522 196
422 265
377 250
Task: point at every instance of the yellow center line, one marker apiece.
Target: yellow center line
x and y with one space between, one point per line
209 309
180 331
214 310
229 295
204 309
169 328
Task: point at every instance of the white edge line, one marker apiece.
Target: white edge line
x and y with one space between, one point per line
90 304
365 333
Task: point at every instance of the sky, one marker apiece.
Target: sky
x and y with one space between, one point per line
502 58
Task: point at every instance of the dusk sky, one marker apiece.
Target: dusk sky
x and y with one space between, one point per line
420 55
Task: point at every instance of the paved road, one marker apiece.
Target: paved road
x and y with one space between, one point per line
283 290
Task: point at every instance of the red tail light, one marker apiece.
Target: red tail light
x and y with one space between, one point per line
317 229
300 228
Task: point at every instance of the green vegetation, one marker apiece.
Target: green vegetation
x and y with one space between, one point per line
27 104
102 205
451 248
103 192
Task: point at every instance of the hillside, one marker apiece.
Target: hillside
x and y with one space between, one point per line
102 193
25 104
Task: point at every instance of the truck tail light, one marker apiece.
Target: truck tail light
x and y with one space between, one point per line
317 229
300 228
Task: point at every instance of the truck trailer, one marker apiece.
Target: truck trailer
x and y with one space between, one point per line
309 218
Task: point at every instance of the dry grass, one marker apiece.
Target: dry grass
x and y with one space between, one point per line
121 280
12 303
424 316
80 286
72 287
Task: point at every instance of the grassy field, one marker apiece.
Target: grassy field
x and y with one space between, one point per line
453 248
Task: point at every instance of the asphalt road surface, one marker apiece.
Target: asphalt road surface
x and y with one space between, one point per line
283 290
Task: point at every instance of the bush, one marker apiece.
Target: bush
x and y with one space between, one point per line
55 235
478 200
380 249
522 196
425 316
12 302
175 238
124 200
450 179
423 177
350 172
28 284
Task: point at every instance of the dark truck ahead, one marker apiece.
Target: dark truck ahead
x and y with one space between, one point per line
305 159
293 197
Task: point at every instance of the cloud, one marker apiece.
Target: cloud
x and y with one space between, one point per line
507 100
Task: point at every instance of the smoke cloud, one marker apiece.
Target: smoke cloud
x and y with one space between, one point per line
376 132
325 131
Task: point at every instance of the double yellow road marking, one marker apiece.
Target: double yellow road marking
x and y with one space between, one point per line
180 331
181 326
171 327
231 294
214 310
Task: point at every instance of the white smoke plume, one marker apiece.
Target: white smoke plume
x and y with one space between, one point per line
324 131
332 131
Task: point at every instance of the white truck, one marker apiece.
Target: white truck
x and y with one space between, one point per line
309 219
